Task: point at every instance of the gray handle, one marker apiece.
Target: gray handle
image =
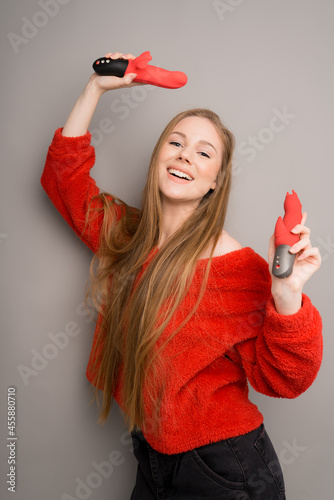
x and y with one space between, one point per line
283 261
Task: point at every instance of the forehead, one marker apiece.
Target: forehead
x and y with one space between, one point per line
199 129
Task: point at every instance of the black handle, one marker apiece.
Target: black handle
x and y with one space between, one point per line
110 67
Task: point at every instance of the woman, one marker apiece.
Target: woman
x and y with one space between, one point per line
186 314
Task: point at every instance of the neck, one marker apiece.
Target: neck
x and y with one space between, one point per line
173 216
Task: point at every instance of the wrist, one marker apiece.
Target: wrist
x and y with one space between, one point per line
288 302
93 89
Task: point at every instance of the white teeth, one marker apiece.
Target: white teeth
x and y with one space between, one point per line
178 173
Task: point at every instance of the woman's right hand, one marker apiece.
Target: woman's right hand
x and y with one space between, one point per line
105 83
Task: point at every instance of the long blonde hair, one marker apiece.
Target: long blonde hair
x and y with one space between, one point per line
136 305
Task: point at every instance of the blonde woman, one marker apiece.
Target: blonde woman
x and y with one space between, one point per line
186 314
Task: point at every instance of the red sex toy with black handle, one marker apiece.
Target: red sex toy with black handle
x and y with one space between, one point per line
284 238
146 73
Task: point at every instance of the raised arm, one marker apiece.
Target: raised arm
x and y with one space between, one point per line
81 115
66 175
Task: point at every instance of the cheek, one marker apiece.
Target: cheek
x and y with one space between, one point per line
164 153
213 176
212 172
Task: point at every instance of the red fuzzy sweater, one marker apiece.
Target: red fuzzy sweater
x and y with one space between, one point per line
235 334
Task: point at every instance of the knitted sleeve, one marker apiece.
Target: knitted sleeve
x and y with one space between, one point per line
67 181
284 357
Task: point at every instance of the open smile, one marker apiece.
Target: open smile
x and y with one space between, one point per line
180 174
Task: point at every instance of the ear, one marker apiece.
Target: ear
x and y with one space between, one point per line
214 185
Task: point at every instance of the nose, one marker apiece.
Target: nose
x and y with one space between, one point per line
185 156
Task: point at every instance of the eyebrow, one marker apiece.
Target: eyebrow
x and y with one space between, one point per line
202 141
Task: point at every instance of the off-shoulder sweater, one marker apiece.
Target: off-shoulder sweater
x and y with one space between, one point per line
235 335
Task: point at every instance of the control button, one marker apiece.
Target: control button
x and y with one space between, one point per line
277 266
97 62
108 60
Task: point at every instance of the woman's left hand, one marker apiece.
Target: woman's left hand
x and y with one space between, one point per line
307 262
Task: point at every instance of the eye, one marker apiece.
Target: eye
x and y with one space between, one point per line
204 154
175 143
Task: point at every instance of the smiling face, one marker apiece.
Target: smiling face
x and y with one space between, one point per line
189 161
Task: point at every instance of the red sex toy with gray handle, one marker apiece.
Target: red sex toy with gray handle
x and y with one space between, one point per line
284 238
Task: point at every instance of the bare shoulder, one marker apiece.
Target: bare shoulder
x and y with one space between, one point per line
226 244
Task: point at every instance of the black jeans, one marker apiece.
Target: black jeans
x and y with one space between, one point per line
241 468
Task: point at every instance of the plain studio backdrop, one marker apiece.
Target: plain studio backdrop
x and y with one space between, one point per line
266 67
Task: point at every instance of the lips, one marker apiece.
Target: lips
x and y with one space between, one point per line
179 173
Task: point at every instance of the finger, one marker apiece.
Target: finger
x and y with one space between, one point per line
301 229
272 243
116 55
119 55
129 56
297 228
127 79
113 55
304 217
311 252
302 244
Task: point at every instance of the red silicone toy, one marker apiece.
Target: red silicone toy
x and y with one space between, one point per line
154 75
292 217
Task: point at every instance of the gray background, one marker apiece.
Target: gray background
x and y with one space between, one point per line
249 61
